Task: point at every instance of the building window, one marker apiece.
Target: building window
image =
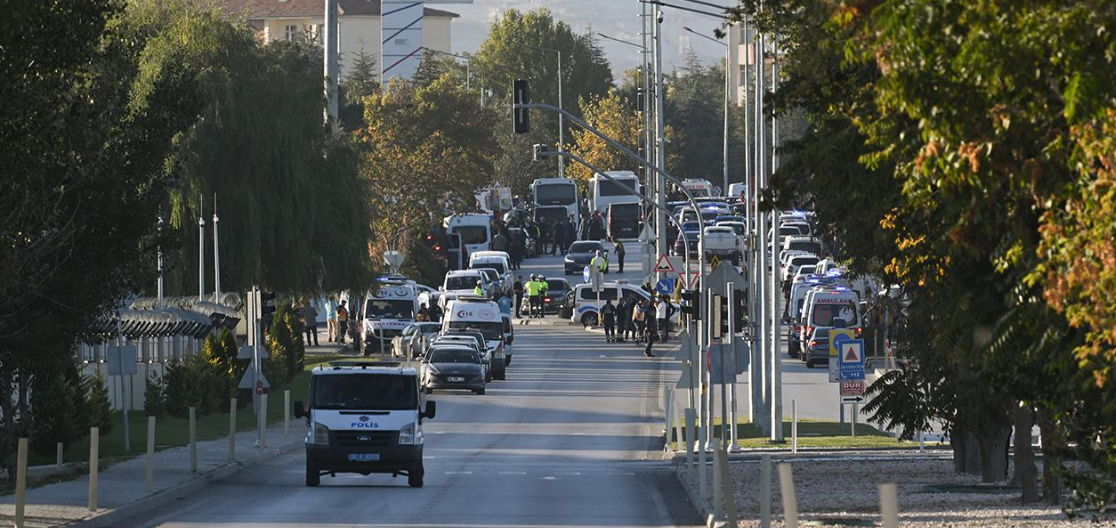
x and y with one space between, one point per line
292 32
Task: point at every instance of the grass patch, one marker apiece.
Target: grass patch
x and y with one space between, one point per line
812 433
171 431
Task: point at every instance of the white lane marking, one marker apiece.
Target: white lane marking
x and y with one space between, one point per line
575 473
459 472
550 478
512 473
621 473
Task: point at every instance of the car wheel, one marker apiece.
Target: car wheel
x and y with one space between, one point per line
414 478
809 363
589 319
478 391
313 476
487 376
429 390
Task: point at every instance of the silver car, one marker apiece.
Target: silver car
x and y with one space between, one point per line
408 343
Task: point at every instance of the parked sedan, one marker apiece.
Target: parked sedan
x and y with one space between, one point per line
581 253
452 367
408 343
556 292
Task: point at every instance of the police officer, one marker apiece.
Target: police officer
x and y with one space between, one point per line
479 290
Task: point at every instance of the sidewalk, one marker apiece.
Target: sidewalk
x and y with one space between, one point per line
121 492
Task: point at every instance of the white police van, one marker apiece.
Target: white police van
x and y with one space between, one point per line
364 417
388 309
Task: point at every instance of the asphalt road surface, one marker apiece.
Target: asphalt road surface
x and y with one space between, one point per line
571 438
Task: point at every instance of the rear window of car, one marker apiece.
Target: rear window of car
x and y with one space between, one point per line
829 313
584 247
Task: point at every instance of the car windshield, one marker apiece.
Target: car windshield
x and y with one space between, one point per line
490 273
453 355
390 309
555 194
497 266
371 392
550 214
461 282
491 330
691 226
584 247
472 234
608 188
557 284
806 245
828 314
427 328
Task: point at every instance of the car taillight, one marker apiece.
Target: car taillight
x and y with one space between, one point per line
813 343
547 299
858 330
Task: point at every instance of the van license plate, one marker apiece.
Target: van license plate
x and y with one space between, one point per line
364 457
456 379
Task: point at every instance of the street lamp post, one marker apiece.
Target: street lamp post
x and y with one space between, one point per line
561 120
725 153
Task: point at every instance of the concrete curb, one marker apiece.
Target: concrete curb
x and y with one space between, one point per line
162 498
704 509
679 457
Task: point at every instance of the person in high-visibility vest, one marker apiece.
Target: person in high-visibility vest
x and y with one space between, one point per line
543 287
479 290
599 262
534 287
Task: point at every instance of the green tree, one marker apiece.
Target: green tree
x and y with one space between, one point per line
613 116
98 404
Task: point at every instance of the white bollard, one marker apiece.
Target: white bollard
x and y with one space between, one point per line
855 411
790 503
718 499
889 506
21 481
59 456
794 427
287 415
691 416
263 420
678 426
703 485
921 442
232 429
149 470
193 441
94 445
765 491
726 490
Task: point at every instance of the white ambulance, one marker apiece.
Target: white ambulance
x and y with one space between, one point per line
388 309
364 417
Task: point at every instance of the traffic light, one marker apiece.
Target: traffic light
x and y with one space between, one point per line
521 118
691 304
435 239
266 305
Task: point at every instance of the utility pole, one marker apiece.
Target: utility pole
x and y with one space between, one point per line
216 256
159 252
761 232
645 66
660 137
201 248
776 273
332 71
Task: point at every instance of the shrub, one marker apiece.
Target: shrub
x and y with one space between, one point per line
154 396
287 351
205 380
99 406
57 411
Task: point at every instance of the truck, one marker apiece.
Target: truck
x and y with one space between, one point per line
723 242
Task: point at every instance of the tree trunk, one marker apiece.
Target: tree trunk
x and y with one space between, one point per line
1051 441
972 454
1025 472
957 440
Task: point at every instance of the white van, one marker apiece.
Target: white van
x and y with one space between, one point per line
483 315
499 261
826 306
387 311
364 418
585 300
474 229
698 187
463 282
606 192
736 189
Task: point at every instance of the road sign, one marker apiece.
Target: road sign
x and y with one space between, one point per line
853 399
723 275
690 279
713 262
852 388
665 286
121 360
586 275
664 265
249 380
850 360
836 335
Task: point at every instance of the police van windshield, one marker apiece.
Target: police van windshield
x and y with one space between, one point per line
826 314
491 330
363 392
466 282
390 309
498 266
472 234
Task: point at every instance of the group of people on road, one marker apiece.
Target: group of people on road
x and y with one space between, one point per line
429 314
642 321
535 289
337 320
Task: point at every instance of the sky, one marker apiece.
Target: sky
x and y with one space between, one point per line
615 18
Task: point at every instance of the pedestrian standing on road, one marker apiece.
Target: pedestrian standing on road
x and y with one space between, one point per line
533 287
423 314
479 289
310 319
331 320
571 235
652 333
608 317
435 313
619 253
500 241
623 317
662 317
639 319
505 303
559 233
517 289
543 292
342 322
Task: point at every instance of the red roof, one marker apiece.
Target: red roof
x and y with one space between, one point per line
259 9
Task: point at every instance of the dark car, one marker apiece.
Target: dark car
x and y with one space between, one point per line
817 349
452 367
581 253
556 292
690 230
623 220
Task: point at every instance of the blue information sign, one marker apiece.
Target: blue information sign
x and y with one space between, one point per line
665 286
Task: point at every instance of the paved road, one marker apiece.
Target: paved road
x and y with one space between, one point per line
570 439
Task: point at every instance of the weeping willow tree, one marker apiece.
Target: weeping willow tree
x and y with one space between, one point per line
290 201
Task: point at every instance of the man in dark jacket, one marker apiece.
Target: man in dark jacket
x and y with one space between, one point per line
571 235
608 316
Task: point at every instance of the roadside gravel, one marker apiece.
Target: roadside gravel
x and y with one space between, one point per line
848 490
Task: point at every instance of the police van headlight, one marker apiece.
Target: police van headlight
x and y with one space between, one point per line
407 434
321 434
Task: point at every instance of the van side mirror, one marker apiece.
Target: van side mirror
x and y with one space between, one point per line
299 410
431 410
